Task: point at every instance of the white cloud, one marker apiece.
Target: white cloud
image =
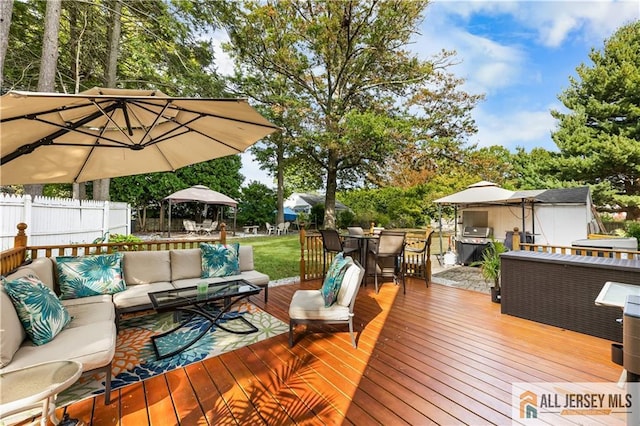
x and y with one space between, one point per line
252 172
554 21
524 128
224 63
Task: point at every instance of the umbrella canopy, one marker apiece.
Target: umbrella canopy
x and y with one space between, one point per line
202 194
480 192
102 133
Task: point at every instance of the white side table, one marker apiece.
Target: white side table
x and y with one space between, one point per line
36 386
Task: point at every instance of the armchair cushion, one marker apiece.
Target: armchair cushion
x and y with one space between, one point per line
39 309
219 260
333 280
90 275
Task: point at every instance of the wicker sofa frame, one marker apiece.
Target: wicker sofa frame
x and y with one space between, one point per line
560 290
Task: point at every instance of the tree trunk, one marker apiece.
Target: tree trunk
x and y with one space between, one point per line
110 79
49 60
48 64
330 196
280 180
6 10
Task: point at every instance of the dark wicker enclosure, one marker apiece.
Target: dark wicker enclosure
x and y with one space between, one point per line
560 290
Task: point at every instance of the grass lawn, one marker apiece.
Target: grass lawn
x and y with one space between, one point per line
276 256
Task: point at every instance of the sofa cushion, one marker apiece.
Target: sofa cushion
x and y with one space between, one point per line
186 264
84 276
144 267
92 345
245 256
41 267
138 295
333 279
219 260
11 330
89 313
38 308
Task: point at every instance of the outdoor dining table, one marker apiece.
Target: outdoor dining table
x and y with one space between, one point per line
363 243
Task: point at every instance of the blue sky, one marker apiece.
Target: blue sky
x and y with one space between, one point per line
520 54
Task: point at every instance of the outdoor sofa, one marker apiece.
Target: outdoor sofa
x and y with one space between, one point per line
90 336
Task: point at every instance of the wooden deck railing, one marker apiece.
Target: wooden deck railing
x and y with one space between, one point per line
13 258
583 251
311 255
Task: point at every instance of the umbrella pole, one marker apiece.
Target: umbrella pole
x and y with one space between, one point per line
440 226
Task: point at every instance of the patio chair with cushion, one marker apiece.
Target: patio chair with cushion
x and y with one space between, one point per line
332 243
310 306
208 226
190 227
388 256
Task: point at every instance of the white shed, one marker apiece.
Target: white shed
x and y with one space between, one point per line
551 216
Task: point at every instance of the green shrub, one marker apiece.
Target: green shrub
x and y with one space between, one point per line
633 230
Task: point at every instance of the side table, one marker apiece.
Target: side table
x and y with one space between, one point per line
36 386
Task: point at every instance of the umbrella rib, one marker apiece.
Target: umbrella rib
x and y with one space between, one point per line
48 140
205 114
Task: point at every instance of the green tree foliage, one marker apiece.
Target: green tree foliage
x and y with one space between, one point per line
348 65
163 46
599 139
389 207
257 204
149 190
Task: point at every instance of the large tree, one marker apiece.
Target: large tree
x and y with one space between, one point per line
348 63
599 139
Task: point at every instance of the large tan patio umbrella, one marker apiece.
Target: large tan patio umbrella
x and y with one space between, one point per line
104 133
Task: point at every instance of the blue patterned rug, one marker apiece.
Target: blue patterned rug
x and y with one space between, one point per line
135 359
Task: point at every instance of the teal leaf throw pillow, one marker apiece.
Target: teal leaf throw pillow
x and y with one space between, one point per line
219 260
333 279
38 308
90 275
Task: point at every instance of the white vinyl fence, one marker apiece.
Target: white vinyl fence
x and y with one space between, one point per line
53 221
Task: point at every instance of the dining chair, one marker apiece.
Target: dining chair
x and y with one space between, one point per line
332 243
417 260
355 230
388 256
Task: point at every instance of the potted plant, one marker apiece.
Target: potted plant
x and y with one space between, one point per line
490 267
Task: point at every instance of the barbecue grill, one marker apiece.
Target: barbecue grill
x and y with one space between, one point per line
472 243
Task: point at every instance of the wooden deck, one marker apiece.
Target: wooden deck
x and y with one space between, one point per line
436 355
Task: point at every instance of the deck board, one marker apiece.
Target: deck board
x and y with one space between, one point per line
437 355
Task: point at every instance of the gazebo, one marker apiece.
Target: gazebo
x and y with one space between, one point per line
202 194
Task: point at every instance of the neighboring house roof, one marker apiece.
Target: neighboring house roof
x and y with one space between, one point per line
578 195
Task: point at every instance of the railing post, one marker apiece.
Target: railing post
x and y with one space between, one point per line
515 239
223 233
303 239
20 240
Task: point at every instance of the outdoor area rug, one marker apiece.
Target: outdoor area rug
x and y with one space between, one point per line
135 359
